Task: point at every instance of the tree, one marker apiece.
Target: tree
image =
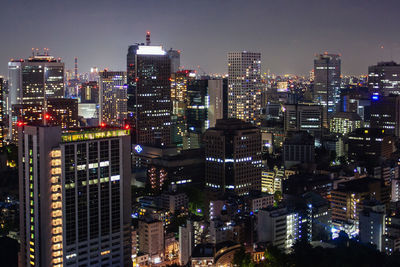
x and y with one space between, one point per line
241 258
277 196
275 257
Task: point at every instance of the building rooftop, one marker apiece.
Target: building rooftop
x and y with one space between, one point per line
357 185
232 124
368 132
91 133
301 137
388 64
203 251
348 115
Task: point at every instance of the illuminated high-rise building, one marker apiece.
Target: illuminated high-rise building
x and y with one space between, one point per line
32 81
149 93
94 74
179 84
327 71
345 122
35 79
74 190
244 86
2 115
385 113
205 104
233 157
175 56
89 92
60 111
63 112
303 117
218 100
113 97
384 78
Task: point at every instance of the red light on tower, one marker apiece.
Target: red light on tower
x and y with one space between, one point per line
47 116
103 124
127 127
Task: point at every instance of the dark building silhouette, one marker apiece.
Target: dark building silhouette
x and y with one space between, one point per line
233 156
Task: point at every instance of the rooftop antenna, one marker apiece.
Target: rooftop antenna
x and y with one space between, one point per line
147 38
33 52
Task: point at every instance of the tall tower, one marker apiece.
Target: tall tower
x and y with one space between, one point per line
244 86
149 93
2 115
113 97
76 69
74 190
34 80
327 83
175 56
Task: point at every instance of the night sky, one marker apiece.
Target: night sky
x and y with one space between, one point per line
287 32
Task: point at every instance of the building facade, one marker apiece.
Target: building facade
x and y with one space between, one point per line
327 71
384 78
113 98
74 192
304 117
385 113
345 122
149 94
244 86
233 156
35 79
151 239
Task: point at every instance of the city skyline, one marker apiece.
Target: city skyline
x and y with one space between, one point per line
98 33
200 133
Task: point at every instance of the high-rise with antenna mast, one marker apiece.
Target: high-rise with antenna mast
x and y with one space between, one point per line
149 93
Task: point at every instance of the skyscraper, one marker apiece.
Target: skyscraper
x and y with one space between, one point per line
179 84
218 100
244 86
63 112
385 113
327 83
175 56
32 81
113 97
233 156
74 190
35 79
2 117
384 78
304 117
149 93
89 92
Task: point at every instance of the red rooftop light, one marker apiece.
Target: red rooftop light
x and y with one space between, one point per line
127 127
103 124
